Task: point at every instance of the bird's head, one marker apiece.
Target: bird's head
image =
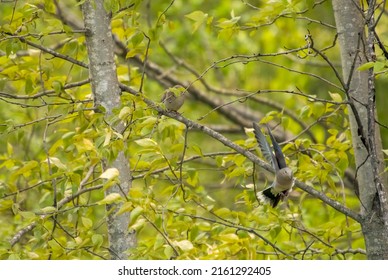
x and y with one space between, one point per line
285 176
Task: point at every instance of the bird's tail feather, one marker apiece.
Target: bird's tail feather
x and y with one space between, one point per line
266 196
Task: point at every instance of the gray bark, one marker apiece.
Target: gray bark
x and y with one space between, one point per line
106 91
356 49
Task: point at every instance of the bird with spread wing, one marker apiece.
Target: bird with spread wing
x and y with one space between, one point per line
284 178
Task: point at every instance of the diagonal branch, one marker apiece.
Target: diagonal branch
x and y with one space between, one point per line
248 154
53 53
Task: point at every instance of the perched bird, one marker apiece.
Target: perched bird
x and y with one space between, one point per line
284 179
173 98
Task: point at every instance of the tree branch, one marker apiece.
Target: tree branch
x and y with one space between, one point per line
228 143
16 238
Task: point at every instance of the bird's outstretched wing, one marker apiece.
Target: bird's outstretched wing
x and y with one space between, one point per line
283 175
265 147
280 160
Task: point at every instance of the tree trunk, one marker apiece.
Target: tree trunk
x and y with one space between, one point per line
357 48
106 93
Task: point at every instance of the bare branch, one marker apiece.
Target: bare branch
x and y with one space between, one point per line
53 53
43 93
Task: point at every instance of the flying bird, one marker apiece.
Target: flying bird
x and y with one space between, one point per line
284 178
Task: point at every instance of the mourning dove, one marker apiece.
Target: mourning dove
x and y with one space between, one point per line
284 178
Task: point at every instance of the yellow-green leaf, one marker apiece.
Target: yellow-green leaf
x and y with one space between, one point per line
97 240
108 136
110 198
198 17
184 245
135 213
78 240
110 173
366 66
88 223
32 255
48 209
126 207
9 149
229 238
335 96
237 172
27 167
57 86
125 112
57 162
379 66
146 143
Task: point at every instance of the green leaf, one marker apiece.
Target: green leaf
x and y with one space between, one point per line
48 209
379 66
9 149
138 224
198 17
184 245
135 213
78 241
137 39
228 238
222 212
335 96
32 255
26 168
111 6
318 109
57 86
80 2
110 174
57 162
197 149
84 145
305 111
274 232
125 112
14 257
237 172
6 204
227 23
169 252
193 178
97 240
366 66
239 160
87 223
108 136
126 207
159 241
27 215
146 143
110 198
29 87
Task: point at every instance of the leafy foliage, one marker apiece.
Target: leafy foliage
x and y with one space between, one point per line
191 197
